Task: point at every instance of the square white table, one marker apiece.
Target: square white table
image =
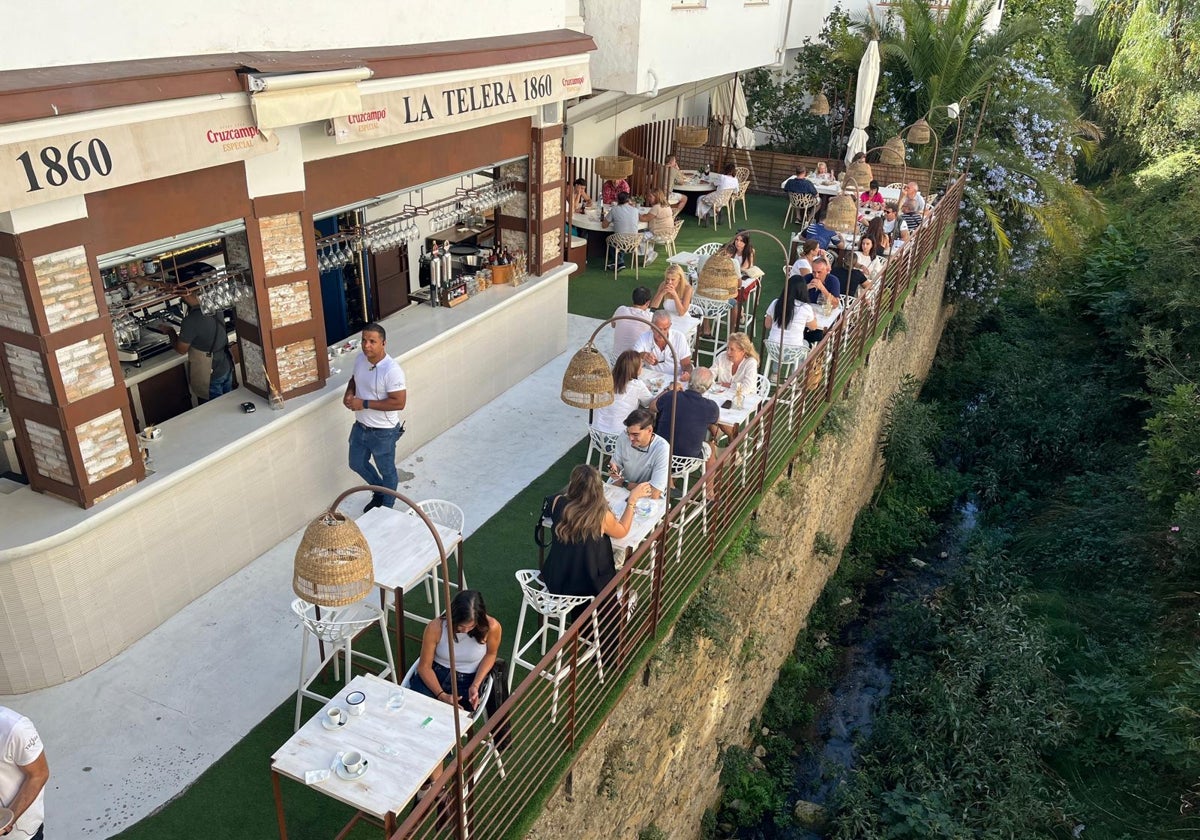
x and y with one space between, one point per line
401 753
733 416
639 528
403 552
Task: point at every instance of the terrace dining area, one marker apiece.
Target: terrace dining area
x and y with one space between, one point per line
330 732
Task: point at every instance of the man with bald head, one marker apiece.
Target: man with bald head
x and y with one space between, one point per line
911 190
653 348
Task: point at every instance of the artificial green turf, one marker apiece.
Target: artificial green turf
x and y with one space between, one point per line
594 293
236 791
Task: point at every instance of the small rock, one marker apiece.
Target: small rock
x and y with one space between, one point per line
766 731
944 555
810 816
760 751
920 564
845 602
737 805
726 829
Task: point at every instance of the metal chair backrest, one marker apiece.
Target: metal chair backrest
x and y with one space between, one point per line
446 514
546 603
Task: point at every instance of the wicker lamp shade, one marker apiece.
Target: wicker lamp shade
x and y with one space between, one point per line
719 278
333 564
691 136
612 168
842 213
859 172
893 152
588 381
819 106
920 133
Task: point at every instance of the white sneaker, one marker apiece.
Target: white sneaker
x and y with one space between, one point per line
651 257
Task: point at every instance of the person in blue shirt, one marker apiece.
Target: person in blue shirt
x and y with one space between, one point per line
824 235
799 183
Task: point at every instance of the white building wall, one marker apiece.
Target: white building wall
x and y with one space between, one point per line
595 137
65 32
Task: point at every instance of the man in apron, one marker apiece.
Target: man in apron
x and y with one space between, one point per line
203 339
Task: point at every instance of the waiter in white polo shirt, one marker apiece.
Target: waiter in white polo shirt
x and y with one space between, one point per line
376 394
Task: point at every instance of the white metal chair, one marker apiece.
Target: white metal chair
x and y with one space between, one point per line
801 208
668 239
448 515
554 611
622 243
764 387
480 713
683 470
604 444
708 249
717 312
895 185
786 358
337 627
742 173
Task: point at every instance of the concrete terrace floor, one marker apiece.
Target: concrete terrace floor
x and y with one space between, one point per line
124 739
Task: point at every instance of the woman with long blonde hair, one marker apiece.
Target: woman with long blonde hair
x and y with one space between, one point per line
674 288
580 561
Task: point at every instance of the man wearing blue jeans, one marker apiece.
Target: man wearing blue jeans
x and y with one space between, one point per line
376 394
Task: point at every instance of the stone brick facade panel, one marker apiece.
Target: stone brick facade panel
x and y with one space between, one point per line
104 445
290 304
256 371
552 161
14 311
65 282
282 244
85 368
28 374
297 364
49 452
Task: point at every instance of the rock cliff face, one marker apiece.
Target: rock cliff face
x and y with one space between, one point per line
655 759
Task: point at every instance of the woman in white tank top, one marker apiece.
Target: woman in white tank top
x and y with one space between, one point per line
476 643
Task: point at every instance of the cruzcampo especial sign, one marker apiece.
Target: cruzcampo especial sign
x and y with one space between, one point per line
447 103
86 161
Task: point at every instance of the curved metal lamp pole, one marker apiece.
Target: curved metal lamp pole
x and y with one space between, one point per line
445 565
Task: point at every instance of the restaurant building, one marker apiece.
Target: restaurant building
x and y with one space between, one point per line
298 195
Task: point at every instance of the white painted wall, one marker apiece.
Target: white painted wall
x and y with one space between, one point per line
808 16
642 40
592 138
63 32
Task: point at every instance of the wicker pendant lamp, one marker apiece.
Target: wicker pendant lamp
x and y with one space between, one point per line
691 136
859 172
920 133
819 107
842 213
588 381
719 278
614 167
893 152
333 564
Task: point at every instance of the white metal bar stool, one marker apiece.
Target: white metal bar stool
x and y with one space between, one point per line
338 627
555 609
449 515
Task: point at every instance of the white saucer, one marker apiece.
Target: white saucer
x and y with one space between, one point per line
334 726
346 775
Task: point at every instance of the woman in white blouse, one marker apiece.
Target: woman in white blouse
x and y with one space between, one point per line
794 313
629 393
736 367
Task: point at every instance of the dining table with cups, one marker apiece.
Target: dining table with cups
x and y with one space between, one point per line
646 516
371 747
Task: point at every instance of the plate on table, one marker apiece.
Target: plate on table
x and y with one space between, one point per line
346 775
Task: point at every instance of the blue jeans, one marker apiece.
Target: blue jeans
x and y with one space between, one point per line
217 387
380 445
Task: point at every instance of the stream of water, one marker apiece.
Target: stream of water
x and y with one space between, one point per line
848 710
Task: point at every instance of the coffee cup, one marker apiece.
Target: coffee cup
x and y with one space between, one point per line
352 761
333 716
356 701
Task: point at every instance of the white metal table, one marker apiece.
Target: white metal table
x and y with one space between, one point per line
403 748
404 552
639 528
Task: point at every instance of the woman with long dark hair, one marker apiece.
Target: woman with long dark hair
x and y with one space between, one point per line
476 643
580 561
629 392
790 314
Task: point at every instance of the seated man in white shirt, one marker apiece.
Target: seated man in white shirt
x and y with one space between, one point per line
894 224
911 190
653 347
627 333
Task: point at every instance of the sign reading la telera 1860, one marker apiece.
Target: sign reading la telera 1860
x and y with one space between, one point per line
433 106
56 166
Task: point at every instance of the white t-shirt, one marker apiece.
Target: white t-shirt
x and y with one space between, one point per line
802 314
375 382
666 363
627 333
624 218
801 266
726 182
611 418
20 746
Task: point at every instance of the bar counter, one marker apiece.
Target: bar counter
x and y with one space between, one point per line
78 586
